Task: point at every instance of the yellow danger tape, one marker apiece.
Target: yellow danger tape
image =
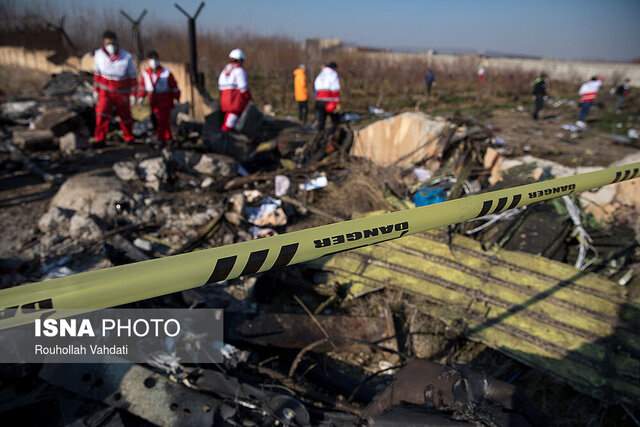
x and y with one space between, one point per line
147 279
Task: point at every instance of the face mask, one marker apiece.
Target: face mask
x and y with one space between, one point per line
111 49
153 63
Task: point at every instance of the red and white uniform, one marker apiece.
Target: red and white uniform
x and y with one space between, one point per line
589 90
481 74
234 94
327 88
162 89
114 80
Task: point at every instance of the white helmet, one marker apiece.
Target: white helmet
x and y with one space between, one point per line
237 54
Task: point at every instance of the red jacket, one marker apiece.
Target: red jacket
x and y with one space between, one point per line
234 89
160 85
327 88
114 73
589 90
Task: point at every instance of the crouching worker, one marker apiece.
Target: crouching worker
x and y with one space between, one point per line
114 81
159 84
327 90
234 90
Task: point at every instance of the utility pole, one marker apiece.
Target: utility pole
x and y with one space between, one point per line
196 78
135 30
59 28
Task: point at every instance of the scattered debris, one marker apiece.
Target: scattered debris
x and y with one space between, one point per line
154 172
82 227
18 110
403 140
531 308
268 213
32 140
125 170
57 120
342 340
281 184
428 196
92 193
71 142
315 183
422 174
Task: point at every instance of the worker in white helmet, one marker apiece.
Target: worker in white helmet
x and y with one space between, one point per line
234 89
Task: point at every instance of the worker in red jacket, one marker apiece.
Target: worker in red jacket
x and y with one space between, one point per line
234 90
114 81
327 90
159 84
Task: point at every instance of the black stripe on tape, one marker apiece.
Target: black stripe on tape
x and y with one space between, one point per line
256 259
486 207
502 202
618 176
286 254
515 201
222 269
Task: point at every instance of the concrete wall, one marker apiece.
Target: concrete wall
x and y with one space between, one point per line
37 60
571 70
557 69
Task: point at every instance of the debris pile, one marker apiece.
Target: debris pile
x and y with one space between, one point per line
452 327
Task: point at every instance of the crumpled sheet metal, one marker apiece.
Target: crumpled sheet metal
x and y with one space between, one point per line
459 390
137 390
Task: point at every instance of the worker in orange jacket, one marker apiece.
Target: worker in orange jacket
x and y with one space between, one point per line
159 84
300 92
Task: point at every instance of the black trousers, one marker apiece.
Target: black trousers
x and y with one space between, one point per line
321 115
538 105
303 111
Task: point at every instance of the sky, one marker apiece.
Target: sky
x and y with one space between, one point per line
571 29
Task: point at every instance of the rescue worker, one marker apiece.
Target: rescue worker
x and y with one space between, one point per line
300 92
539 92
159 84
327 91
588 93
481 75
621 92
429 80
114 81
234 90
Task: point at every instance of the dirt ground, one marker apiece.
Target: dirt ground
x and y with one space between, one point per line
545 138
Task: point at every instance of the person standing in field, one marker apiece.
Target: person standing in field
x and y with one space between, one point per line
114 81
539 92
588 93
622 92
234 90
481 74
327 90
300 92
429 80
159 84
